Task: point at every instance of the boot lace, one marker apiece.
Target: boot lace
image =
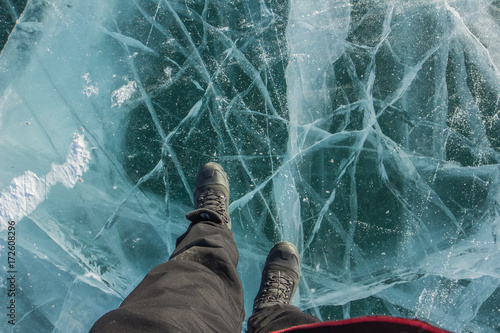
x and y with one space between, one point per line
278 288
215 201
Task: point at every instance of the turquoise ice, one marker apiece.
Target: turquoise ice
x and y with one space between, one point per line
366 132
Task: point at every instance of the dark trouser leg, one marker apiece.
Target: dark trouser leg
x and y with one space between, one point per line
197 290
278 317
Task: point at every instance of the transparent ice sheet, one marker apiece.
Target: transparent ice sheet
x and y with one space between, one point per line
366 132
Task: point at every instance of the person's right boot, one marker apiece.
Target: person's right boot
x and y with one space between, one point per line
280 276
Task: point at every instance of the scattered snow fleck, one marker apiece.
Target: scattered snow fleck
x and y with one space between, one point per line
120 95
88 88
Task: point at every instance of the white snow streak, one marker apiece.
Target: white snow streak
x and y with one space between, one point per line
26 192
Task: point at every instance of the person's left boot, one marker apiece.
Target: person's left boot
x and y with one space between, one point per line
211 196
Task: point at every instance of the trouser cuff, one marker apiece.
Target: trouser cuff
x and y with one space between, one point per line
203 214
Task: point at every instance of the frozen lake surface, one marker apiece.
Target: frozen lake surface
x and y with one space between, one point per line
366 132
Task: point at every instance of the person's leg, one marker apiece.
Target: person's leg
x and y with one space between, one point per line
198 289
272 310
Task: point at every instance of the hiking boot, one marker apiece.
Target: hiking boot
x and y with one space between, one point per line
211 196
280 276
